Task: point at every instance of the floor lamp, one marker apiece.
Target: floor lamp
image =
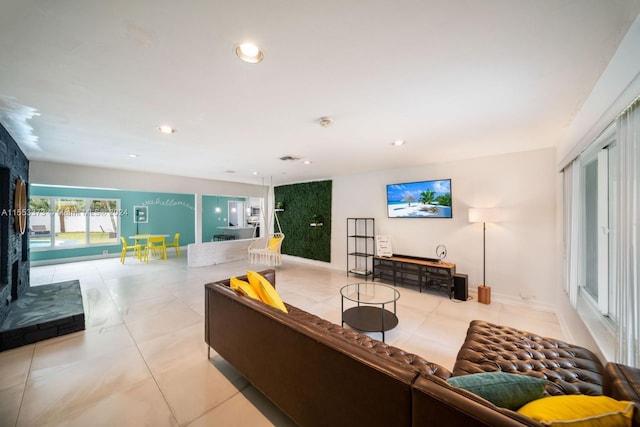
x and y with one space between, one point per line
483 216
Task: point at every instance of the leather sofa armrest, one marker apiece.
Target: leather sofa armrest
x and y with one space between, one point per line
622 382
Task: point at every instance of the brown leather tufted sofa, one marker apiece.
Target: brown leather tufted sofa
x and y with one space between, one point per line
321 374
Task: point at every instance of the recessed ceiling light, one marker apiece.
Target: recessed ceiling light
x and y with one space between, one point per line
255 172
398 143
307 162
249 52
166 129
133 155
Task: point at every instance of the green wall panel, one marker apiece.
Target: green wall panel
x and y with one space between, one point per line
304 204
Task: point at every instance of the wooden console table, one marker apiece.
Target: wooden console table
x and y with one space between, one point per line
416 271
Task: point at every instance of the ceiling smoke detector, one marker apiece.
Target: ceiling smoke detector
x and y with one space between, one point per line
325 122
289 158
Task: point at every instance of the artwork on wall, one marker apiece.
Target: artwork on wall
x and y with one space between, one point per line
141 214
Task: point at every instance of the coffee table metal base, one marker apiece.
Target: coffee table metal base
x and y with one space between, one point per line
370 319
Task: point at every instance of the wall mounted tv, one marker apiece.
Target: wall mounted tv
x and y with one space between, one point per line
423 199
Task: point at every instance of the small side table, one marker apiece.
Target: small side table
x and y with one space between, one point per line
370 313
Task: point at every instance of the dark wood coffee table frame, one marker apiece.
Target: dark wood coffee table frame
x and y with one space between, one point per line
370 316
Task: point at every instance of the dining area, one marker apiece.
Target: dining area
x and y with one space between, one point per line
144 246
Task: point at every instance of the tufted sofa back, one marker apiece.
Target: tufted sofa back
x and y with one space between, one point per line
569 369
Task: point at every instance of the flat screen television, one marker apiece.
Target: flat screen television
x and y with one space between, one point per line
423 199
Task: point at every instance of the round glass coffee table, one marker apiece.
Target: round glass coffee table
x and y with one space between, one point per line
370 313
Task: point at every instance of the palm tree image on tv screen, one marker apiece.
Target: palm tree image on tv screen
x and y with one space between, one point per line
423 199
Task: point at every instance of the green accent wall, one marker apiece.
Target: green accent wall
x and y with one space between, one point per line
169 213
304 204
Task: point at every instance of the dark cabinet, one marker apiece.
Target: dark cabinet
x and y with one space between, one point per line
415 271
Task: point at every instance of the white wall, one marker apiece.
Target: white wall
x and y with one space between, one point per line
521 250
95 177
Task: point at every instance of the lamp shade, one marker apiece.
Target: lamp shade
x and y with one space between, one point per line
484 215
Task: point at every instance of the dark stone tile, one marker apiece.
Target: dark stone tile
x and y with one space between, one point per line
43 312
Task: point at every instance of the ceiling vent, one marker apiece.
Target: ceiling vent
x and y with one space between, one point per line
289 158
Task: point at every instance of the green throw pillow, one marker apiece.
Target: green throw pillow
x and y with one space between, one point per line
506 390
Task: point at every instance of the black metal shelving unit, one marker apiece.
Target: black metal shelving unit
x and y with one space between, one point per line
360 246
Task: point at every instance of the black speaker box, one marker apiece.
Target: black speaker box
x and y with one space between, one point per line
460 287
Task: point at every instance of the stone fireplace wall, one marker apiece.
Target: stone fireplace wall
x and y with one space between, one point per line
14 249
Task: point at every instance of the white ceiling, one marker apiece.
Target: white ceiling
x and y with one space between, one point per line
455 79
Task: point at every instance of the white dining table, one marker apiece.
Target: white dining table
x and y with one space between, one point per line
145 237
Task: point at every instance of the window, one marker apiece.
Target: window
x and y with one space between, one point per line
40 222
598 176
70 222
601 239
103 221
613 282
62 222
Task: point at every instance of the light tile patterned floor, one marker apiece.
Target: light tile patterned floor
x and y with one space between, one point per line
142 359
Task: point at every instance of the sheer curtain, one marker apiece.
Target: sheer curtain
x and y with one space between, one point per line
572 215
627 262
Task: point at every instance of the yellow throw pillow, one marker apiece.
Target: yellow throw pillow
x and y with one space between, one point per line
579 411
273 244
265 290
244 288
